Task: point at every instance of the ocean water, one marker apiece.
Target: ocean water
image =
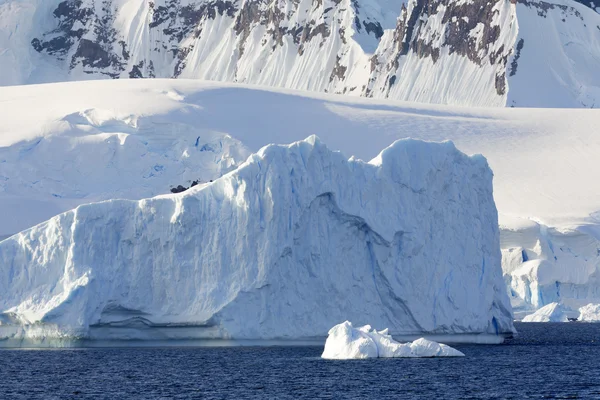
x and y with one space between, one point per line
545 361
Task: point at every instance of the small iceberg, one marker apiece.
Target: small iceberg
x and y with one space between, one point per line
346 342
553 312
590 313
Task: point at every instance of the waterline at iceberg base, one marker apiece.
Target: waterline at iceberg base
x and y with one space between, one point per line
295 240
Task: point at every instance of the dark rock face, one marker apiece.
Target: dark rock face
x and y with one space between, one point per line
136 71
593 4
468 29
339 70
267 14
181 188
514 63
373 27
59 41
459 20
98 47
177 22
543 7
467 17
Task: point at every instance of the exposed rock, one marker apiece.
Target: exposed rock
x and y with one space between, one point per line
339 71
70 14
87 39
514 63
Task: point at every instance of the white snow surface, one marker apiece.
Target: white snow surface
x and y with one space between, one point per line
553 312
345 342
282 247
62 145
589 313
560 52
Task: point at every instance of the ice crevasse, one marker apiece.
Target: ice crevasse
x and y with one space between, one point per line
293 241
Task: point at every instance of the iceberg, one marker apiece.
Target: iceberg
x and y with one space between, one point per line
553 312
590 313
345 342
294 240
542 266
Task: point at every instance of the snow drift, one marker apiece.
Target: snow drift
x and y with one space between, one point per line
345 342
293 240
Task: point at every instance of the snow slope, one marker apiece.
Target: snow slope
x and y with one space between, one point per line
344 342
282 247
546 183
556 56
476 53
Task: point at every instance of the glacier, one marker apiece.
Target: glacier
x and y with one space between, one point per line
293 240
344 342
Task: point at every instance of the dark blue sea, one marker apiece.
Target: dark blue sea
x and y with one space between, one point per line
545 361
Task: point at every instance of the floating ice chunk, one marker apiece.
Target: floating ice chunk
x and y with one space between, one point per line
346 342
553 312
590 313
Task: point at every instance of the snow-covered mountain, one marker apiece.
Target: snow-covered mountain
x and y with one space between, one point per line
295 239
467 52
67 144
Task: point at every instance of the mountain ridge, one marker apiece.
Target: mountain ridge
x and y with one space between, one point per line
461 52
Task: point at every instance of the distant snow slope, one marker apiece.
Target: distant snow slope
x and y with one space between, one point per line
73 143
476 52
284 246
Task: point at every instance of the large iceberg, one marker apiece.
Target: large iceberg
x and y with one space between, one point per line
344 342
294 240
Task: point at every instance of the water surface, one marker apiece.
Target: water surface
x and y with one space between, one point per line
556 361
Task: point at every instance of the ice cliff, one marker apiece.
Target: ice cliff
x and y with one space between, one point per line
544 266
291 242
